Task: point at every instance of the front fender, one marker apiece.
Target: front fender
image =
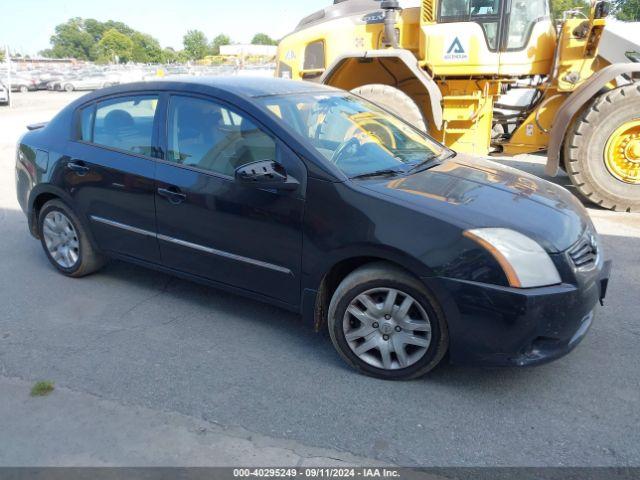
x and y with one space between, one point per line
410 61
574 103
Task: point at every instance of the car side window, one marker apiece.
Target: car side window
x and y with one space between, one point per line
206 135
125 123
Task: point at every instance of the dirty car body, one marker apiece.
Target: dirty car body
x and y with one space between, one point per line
290 236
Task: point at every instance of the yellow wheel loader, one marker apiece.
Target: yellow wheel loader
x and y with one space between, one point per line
488 77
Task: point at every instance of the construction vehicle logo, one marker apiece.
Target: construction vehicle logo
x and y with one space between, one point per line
456 51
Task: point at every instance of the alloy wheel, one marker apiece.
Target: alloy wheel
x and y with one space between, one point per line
387 328
61 239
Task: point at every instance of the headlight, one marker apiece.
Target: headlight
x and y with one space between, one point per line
524 261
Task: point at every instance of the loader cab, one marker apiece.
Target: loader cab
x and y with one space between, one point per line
487 37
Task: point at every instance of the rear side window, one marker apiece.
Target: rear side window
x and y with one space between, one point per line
124 123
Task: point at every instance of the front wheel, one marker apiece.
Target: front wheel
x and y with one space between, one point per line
69 88
385 324
24 89
602 150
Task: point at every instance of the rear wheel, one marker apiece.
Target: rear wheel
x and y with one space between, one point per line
65 241
24 89
385 324
395 101
69 87
602 150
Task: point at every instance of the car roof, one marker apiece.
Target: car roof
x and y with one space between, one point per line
248 87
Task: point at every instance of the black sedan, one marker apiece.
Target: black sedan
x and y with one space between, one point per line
320 202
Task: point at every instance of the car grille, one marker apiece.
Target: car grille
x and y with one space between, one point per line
585 253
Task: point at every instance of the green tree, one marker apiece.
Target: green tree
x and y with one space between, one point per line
79 38
71 40
115 47
1 55
627 10
146 49
263 39
169 55
219 41
558 7
94 28
195 44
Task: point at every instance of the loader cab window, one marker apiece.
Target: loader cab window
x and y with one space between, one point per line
314 56
524 15
484 12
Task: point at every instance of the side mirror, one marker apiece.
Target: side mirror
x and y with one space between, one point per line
602 9
266 174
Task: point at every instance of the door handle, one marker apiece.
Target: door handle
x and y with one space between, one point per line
78 167
173 194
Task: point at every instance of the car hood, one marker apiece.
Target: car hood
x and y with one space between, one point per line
474 193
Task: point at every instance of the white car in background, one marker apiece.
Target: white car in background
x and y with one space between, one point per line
90 82
4 94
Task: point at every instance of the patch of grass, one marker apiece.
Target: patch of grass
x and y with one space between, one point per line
42 389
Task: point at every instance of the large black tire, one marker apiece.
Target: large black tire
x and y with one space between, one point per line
394 100
89 259
386 276
585 145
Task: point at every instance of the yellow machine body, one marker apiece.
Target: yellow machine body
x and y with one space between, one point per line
472 58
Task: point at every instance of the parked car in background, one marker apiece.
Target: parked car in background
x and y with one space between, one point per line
318 201
90 82
4 94
43 80
57 83
22 84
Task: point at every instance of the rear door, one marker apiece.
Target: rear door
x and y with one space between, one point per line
110 173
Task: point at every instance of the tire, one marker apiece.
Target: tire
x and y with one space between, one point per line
585 149
394 100
69 88
23 89
88 259
371 280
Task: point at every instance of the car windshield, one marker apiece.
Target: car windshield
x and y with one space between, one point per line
357 136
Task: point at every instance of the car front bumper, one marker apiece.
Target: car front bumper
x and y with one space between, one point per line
500 326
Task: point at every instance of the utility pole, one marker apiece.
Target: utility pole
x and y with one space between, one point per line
7 59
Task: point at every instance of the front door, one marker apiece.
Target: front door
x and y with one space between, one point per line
111 174
214 227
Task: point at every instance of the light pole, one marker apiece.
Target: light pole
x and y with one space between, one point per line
7 58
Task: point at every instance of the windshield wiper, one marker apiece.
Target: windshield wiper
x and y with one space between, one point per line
432 161
378 173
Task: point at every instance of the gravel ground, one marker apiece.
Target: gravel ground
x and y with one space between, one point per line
140 339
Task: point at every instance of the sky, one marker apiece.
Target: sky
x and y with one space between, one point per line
27 25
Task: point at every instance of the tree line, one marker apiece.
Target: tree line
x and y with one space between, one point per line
115 42
112 41
626 10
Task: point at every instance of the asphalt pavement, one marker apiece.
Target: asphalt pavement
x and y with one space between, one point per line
138 339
